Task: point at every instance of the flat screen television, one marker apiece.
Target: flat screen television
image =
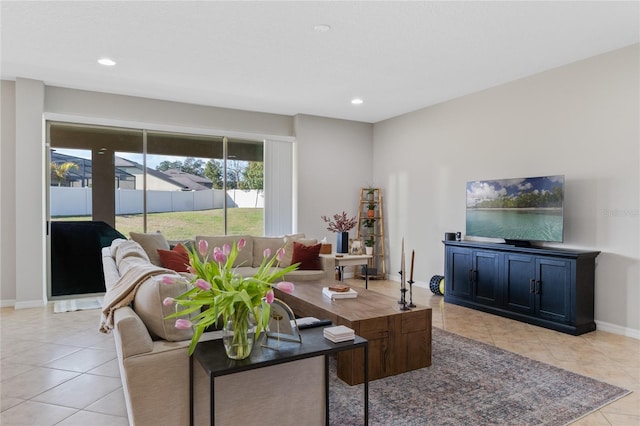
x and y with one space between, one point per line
518 210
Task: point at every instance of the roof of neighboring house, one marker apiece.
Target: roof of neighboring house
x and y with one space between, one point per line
192 182
185 181
85 166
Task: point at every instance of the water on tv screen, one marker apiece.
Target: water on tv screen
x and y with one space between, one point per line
525 209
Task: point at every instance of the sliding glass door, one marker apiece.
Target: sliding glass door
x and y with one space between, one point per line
138 180
144 181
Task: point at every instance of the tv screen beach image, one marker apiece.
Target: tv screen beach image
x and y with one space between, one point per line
529 209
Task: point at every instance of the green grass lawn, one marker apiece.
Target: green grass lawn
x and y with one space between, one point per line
186 225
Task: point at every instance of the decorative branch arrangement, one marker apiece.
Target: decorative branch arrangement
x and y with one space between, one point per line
340 222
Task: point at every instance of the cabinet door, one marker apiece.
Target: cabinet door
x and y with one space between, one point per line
459 269
553 288
486 278
519 276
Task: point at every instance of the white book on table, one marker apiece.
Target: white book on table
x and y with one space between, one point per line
333 295
339 333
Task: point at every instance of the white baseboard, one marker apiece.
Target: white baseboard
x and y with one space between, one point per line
617 329
29 304
7 303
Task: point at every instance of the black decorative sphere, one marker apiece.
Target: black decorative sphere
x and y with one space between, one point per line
437 285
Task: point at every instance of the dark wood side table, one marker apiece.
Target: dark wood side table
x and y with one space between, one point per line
212 358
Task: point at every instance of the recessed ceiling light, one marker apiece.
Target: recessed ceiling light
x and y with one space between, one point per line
322 28
107 62
357 101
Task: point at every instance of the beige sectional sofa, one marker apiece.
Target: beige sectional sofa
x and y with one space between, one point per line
249 258
154 366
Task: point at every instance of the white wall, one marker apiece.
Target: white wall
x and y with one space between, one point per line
579 120
164 113
29 203
7 191
26 271
334 163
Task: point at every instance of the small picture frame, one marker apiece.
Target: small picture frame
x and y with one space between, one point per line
355 246
282 325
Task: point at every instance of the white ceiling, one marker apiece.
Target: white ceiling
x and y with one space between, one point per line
398 56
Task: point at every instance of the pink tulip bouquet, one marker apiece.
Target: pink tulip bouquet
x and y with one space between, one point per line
218 291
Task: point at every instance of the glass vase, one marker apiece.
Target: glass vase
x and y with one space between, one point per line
238 334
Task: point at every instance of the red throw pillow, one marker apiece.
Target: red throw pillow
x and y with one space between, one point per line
308 256
176 259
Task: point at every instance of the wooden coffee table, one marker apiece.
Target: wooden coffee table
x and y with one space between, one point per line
399 341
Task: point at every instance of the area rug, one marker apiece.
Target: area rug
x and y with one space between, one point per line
82 304
472 383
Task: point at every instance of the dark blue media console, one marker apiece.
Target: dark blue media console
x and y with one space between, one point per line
549 287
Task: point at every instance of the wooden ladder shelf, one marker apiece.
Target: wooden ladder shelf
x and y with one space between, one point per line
371 231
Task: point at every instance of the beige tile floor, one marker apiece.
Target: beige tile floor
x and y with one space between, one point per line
57 369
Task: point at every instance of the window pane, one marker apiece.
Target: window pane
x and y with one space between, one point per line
245 187
98 172
70 192
184 192
180 184
129 192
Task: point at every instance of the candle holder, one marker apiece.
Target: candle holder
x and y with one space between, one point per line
403 300
411 305
403 294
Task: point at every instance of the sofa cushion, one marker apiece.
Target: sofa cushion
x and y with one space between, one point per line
109 268
149 307
177 258
245 256
114 246
288 247
297 236
129 262
129 248
260 244
151 243
307 256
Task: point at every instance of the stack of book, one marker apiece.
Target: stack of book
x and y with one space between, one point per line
349 293
339 333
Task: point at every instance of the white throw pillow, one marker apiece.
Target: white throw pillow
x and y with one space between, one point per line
148 305
151 243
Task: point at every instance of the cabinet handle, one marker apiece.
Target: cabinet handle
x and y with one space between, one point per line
475 276
538 283
532 286
470 275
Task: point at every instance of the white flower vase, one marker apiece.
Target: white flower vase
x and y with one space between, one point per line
368 250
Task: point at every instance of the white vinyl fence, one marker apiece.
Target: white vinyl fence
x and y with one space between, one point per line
77 201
